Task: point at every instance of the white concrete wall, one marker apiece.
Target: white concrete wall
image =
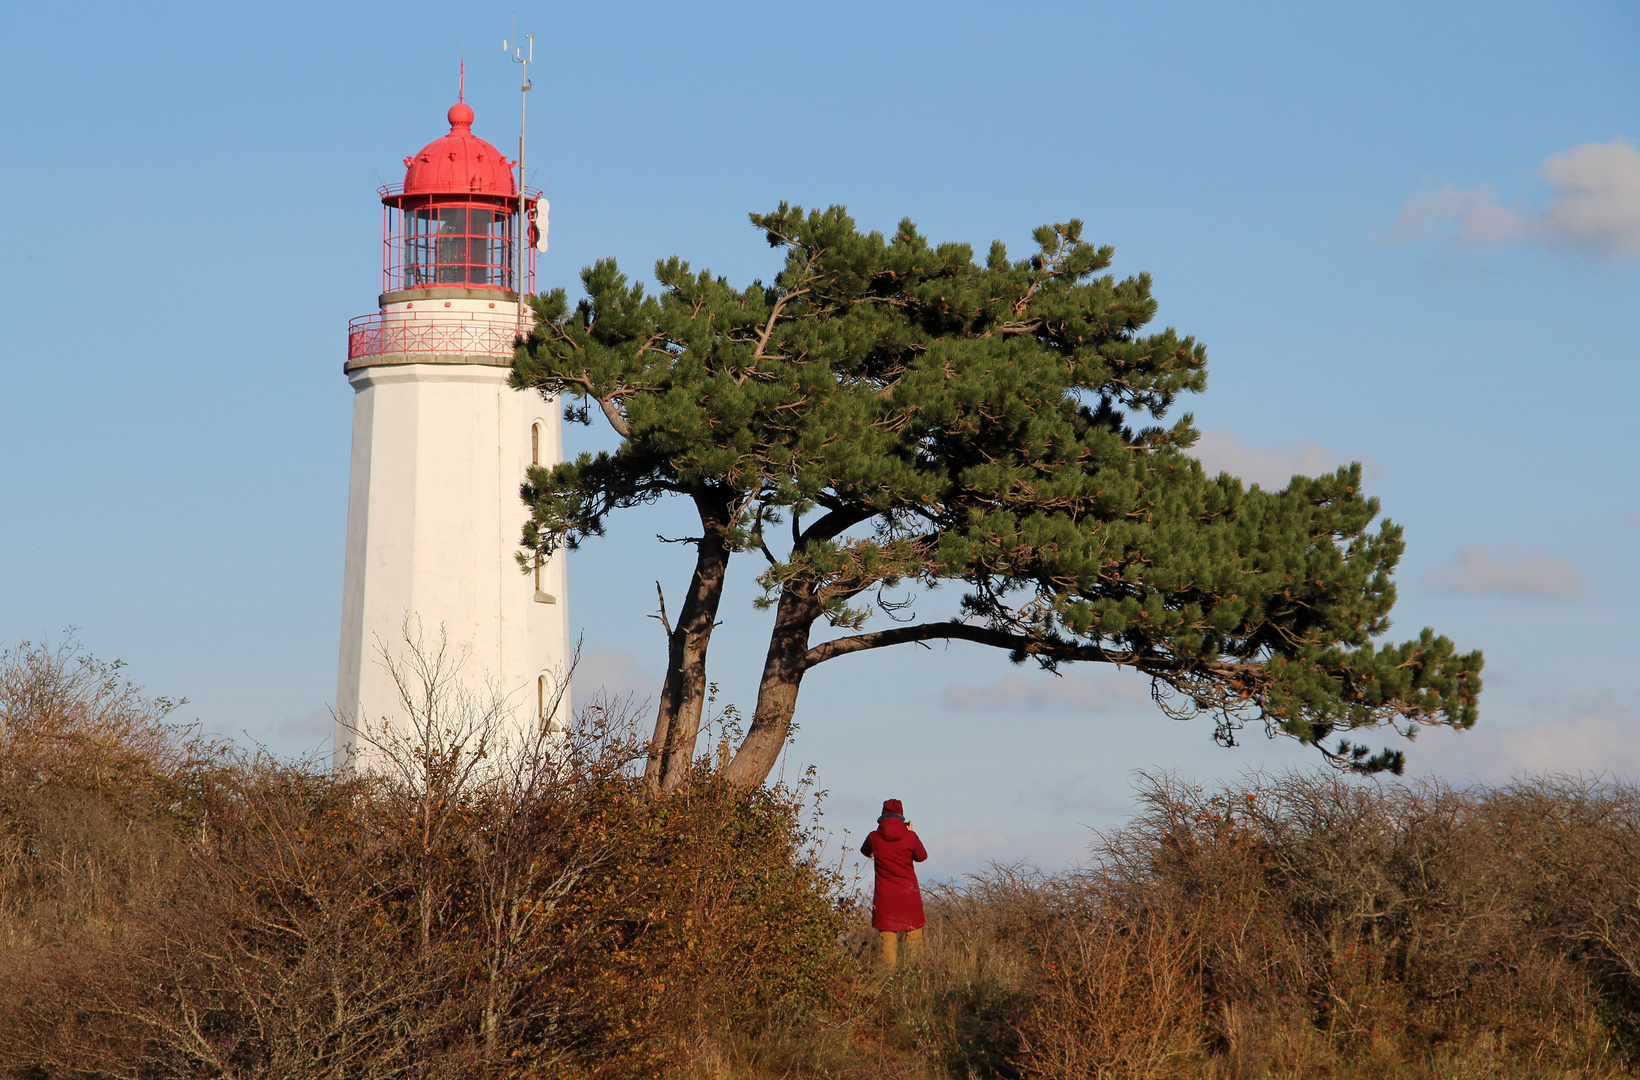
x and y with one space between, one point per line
434 519
434 308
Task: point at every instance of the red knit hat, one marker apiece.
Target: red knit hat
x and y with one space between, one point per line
892 806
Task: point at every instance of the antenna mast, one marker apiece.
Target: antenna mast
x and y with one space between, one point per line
523 54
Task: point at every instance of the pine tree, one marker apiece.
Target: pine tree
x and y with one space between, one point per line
889 412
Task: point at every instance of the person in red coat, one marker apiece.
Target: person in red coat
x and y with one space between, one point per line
896 901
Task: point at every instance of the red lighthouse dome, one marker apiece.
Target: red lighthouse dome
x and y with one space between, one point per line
459 163
454 222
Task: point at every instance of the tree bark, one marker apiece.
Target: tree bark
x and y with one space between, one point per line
783 668
677 722
786 662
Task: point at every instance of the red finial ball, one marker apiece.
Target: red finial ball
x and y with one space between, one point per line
460 163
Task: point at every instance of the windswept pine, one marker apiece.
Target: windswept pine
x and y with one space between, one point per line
890 411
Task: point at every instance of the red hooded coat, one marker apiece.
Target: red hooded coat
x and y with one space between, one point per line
896 902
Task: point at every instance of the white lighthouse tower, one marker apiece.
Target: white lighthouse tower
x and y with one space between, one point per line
440 447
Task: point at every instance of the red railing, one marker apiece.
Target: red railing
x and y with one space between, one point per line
367 337
424 243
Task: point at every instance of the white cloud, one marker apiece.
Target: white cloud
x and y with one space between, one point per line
1273 464
318 724
970 845
1469 216
1071 795
1475 570
970 851
1595 737
1598 207
1042 691
846 807
618 674
1595 209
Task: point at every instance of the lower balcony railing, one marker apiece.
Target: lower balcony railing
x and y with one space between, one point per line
367 336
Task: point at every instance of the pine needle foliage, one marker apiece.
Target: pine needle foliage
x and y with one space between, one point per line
890 412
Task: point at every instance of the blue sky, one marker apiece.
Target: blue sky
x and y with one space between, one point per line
1408 233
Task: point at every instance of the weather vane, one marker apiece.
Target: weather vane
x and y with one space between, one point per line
523 54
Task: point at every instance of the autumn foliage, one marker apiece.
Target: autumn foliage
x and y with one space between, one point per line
170 908
174 909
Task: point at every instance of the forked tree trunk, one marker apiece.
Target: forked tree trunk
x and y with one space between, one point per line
783 670
683 695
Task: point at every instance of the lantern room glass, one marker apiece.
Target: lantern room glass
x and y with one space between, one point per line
465 244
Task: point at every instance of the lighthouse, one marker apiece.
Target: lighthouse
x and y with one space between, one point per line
440 448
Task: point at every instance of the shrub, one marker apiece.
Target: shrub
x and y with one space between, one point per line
487 909
482 903
1305 924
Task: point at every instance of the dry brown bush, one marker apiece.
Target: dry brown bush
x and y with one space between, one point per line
1343 926
486 910
174 909
68 720
1297 925
1118 998
89 775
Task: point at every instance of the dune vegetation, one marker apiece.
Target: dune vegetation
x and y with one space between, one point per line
176 907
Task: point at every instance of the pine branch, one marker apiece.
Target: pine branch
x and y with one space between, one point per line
1019 644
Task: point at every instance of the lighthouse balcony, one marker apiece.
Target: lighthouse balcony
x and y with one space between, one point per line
373 339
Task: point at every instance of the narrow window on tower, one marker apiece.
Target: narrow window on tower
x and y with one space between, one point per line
541 698
535 444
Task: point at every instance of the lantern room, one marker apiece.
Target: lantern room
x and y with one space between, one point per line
454 220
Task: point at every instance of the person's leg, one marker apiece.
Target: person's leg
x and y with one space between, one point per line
888 948
913 944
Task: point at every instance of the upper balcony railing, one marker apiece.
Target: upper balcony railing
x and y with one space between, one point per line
367 337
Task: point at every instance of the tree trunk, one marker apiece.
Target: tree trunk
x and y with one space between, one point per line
492 1022
783 670
677 723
